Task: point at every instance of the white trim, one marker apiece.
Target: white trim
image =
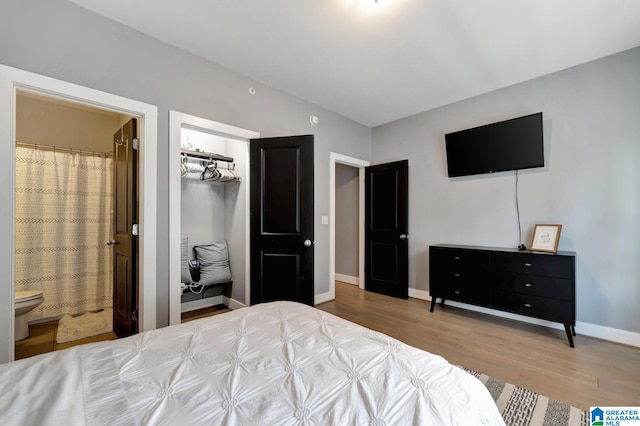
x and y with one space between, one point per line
335 158
361 209
419 294
348 279
177 120
232 303
194 305
607 333
323 297
12 79
582 328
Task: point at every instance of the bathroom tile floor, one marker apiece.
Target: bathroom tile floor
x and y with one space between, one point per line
42 337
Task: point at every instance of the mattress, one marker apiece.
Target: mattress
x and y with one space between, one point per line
279 363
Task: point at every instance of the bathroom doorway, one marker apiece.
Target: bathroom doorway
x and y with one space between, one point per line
13 80
64 219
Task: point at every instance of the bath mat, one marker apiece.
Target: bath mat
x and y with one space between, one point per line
89 324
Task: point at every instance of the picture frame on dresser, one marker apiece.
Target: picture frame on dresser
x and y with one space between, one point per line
546 237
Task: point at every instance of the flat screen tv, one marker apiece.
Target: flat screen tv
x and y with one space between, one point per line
507 145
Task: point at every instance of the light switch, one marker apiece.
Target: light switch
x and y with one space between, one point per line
325 220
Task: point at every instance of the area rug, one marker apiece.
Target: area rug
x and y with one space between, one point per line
522 407
89 324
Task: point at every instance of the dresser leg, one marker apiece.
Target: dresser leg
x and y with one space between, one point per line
573 328
569 328
433 303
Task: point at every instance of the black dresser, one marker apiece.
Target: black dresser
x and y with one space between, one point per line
539 285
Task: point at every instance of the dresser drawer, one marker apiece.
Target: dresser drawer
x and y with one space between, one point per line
466 291
538 307
459 274
534 285
459 260
550 265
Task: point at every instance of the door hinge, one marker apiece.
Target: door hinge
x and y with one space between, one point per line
134 229
134 315
136 144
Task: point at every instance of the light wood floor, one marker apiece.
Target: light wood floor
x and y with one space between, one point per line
42 337
203 313
595 372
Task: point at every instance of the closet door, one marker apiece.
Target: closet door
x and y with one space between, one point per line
282 219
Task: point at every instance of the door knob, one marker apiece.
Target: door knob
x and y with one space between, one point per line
307 243
111 242
403 236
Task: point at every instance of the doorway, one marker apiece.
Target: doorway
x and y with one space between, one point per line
336 160
64 220
13 80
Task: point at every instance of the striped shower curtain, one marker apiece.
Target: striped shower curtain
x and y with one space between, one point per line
63 221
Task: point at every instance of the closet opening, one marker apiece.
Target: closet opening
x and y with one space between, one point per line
209 217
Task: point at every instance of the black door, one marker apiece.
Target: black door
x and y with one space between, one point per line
386 229
282 219
125 255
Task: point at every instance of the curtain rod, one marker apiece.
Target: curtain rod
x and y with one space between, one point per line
61 149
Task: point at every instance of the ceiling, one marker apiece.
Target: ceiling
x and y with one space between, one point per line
375 62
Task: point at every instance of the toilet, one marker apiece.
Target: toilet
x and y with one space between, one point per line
25 302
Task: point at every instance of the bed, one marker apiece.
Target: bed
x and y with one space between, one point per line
279 363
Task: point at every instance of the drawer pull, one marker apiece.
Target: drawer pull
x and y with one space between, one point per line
527 264
456 275
456 291
527 305
527 284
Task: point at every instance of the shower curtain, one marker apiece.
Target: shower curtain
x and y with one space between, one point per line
63 221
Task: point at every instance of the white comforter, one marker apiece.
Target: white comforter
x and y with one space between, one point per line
279 363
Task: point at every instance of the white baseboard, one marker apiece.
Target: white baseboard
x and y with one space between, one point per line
323 297
232 303
201 303
592 330
419 294
347 279
607 333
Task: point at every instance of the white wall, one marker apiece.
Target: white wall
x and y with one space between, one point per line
236 217
590 182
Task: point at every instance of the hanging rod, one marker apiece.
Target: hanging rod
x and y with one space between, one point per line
61 149
206 155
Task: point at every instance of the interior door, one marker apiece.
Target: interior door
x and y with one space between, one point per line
282 219
386 229
125 215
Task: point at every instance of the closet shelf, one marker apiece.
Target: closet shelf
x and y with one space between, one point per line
206 155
